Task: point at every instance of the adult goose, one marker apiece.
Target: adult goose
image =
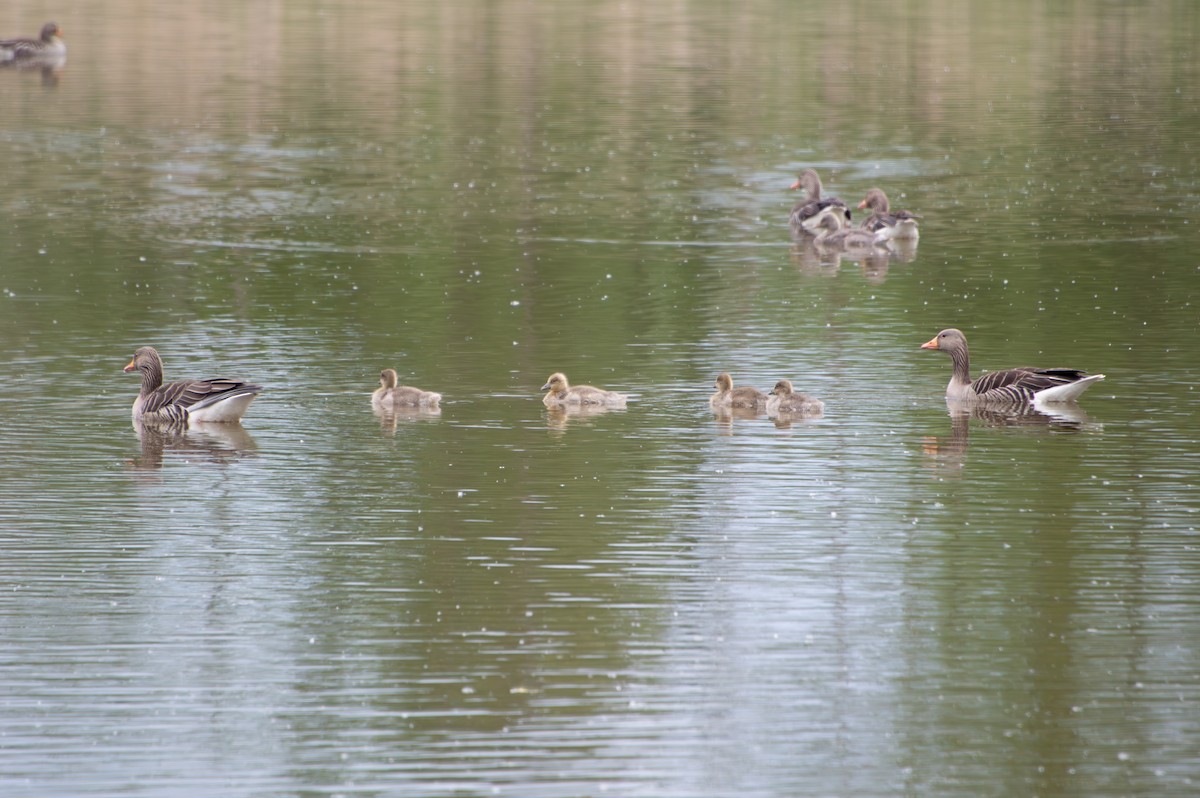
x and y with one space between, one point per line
806 216
560 393
186 401
744 397
785 399
900 225
389 395
47 46
1017 386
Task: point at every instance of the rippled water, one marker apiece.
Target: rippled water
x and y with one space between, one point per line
500 599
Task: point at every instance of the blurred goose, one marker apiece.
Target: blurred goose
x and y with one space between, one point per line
561 393
784 399
831 233
728 396
186 401
389 395
806 216
900 225
1017 386
48 45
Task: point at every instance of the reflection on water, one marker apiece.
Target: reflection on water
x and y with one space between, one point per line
560 417
813 257
390 417
50 68
951 450
214 443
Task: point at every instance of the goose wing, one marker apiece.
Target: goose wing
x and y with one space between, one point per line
1023 383
194 394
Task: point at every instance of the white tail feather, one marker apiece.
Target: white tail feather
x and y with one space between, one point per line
1065 393
223 411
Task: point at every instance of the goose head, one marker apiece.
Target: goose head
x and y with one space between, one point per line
950 341
145 359
810 182
782 388
876 200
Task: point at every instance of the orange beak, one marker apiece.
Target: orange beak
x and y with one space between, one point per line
930 344
862 205
130 367
795 185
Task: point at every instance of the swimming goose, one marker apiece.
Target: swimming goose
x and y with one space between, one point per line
728 396
831 233
186 401
389 395
900 225
806 216
48 45
1017 386
560 393
784 399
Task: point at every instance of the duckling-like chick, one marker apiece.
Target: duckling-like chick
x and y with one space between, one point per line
561 393
784 399
806 216
389 395
727 396
831 234
900 225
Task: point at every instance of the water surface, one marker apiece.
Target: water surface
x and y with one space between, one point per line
499 599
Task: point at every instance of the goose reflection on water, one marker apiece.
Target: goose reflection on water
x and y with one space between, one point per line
813 257
215 443
389 417
951 449
559 417
50 68
725 416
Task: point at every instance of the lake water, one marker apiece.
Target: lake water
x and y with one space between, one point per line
656 601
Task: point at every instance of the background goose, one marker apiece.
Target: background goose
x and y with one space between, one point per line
728 396
186 401
807 215
1012 386
900 225
389 395
48 45
561 393
784 399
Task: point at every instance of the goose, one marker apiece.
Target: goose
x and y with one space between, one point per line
389 395
744 397
186 401
1017 386
561 393
48 45
830 233
807 215
900 225
785 399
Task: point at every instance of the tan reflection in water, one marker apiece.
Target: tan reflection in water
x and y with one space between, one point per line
558 417
389 418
